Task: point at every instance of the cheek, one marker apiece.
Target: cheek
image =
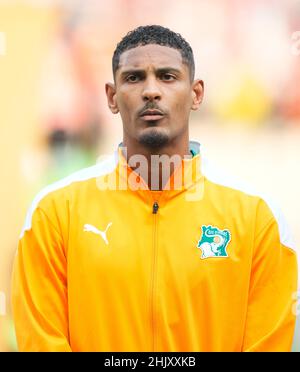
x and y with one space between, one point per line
182 101
126 102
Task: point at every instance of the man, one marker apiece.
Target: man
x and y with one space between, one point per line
121 257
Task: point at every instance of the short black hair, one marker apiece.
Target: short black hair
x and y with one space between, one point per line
159 35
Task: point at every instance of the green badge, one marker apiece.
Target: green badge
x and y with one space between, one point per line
213 242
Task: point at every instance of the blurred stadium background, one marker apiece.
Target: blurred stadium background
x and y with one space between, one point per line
55 57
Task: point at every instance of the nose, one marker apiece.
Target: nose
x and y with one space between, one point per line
151 91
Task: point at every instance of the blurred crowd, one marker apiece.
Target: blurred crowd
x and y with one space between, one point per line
244 51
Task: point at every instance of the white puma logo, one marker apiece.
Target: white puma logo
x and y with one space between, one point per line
93 229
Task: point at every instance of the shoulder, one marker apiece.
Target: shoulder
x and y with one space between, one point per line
55 194
245 196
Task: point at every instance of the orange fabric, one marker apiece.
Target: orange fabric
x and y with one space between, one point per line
147 288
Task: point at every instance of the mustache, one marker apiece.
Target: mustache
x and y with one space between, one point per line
151 106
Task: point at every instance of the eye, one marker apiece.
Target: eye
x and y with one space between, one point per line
132 78
168 77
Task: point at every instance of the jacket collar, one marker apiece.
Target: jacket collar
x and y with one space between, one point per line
185 177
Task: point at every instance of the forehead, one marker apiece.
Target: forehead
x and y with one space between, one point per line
152 55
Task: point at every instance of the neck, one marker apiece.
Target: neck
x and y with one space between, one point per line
157 164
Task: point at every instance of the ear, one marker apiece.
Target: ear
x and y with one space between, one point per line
110 90
197 94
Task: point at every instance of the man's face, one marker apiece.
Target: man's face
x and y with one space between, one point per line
154 94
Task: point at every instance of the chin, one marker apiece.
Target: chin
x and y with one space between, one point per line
154 138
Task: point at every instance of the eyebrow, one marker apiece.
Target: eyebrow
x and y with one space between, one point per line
157 71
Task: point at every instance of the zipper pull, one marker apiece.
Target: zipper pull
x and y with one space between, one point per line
155 208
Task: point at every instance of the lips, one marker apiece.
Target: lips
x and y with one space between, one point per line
152 115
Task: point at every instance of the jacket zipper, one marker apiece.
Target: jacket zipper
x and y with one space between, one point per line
155 208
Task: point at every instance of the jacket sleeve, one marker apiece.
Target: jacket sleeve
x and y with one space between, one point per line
270 318
39 287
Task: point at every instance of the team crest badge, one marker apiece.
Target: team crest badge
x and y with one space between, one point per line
213 242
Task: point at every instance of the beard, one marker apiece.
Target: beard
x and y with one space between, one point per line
154 138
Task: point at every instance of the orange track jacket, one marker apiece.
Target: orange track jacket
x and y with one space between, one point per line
105 264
